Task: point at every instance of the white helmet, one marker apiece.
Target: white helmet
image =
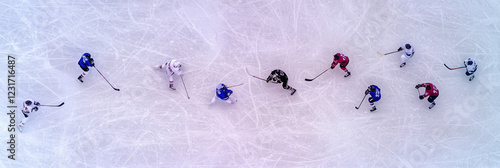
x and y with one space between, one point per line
177 64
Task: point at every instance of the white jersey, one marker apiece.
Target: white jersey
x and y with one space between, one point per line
408 52
470 68
29 108
173 67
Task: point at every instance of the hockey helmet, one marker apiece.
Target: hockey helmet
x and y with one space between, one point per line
428 87
177 64
408 46
371 88
87 55
336 56
469 62
28 102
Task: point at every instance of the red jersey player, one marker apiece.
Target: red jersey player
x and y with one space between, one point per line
431 91
343 61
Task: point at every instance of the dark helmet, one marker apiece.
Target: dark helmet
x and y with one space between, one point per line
223 87
428 87
469 62
87 55
408 46
28 102
336 56
372 88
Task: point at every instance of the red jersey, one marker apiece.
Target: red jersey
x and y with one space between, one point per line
433 92
343 60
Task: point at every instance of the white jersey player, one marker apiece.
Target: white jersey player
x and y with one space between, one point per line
408 53
173 68
471 67
29 106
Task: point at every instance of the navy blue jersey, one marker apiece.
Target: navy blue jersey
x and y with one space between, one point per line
85 61
222 91
376 93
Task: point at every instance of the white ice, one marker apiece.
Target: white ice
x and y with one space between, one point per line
148 125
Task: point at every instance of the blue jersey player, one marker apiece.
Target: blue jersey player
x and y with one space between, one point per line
85 62
375 96
223 93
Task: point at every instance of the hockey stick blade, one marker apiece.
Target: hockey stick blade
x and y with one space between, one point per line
379 53
452 68
53 105
318 75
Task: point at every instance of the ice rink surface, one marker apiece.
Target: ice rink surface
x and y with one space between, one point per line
148 125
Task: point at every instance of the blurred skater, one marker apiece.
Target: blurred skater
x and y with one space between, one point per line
431 91
375 96
408 53
471 67
278 76
85 62
29 106
224 94
343 60
173 68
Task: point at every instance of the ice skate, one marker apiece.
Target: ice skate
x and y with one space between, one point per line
80 78
373 109
348 74
172 86
293 91
432 105
472 77
20 128
402 65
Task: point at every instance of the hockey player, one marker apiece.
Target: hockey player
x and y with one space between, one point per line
408 53
173 68
28 107
471 67
343 61
375 96
223 93
278 76
85 62
431 91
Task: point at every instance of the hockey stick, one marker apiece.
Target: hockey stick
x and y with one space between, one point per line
235 85
106 79
453 68
254 75
318 75
185 87
361 102
387 53
53 105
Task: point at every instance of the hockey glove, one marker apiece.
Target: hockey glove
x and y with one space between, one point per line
92 62
333 66
268 79
421 97
400 49
417 86
34 109
37 103
367 91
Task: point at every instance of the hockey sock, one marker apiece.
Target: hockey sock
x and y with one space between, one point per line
84 74
23 121
373 105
